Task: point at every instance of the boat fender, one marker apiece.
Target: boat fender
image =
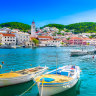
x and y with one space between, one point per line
0 66
93 57
2 62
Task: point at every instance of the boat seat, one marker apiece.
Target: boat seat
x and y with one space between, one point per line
47 79
54 72
64 73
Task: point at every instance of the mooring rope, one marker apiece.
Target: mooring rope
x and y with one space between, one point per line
27 89
42 88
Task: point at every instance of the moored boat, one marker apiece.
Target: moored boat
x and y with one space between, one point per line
21 76
59 80
82 52
78 52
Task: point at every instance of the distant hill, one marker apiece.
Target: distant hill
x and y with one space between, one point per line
78 27
16 25
82 27
59 26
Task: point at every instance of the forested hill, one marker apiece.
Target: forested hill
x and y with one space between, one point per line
59 26
16 25
83 27
78 27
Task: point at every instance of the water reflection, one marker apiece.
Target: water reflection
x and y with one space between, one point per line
16 90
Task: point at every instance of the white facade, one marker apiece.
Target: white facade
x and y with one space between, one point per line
8 39
48 29
22 38
54 43
50 42
93 42
3 31
15 30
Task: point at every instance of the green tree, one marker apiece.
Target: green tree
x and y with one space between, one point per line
59 33
90 37
62 34
66 30
62 43
54 34
68 38
35 41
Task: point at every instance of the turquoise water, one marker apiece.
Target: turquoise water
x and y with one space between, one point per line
17 59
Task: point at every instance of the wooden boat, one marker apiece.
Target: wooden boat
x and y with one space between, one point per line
57 81
21 76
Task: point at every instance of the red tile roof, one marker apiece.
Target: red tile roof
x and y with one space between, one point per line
76 38
6 34
57 39
45 37
86 38
12 32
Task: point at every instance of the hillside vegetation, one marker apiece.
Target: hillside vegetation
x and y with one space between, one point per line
83 27
16 25
78 27
59 26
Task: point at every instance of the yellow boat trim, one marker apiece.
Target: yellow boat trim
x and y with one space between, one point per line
57 78
9 75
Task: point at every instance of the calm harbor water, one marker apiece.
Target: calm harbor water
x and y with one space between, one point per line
17 59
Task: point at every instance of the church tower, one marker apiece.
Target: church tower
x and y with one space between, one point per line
33 34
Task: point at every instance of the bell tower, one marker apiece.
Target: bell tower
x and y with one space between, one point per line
33 34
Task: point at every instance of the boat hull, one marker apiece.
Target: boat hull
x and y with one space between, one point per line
21 79
55 89
16 80
78 53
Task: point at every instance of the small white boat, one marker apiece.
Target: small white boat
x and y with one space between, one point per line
78 52
55 82
21 76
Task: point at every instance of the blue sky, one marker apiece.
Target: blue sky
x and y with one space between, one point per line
48 11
